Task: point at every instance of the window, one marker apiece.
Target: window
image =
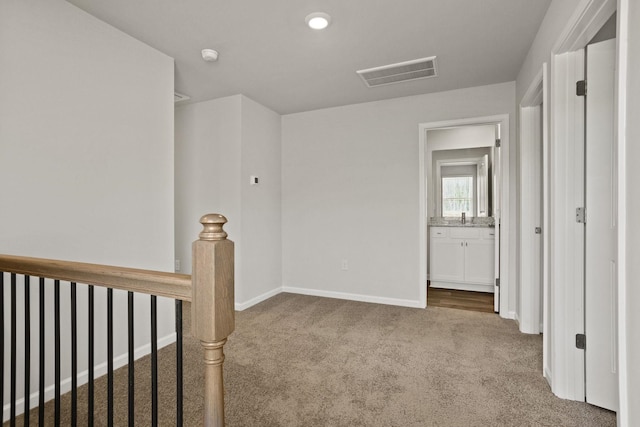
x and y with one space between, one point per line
457 195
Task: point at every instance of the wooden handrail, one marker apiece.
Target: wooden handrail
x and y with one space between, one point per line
210 289
171 285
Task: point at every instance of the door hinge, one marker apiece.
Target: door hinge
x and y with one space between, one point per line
581 216
498 282
538 230
581 341
498 143
581 88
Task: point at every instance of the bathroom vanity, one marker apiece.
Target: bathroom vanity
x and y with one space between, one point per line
462 257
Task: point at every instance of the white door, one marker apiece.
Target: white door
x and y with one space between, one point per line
600 241
530 218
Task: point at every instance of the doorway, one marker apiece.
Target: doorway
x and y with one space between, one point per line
567 294
504 263
534 208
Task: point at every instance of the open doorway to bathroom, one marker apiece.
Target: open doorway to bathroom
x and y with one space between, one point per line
462 197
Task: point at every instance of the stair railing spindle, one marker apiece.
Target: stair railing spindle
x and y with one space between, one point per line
41 345
27 348
12 410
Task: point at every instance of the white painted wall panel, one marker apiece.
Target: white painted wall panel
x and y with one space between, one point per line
261 203
219 144
86 150
207 179
350 191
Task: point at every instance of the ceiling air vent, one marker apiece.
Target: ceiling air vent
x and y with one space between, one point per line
400 72
177 97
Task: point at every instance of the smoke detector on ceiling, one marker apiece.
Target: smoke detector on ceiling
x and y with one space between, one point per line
209 55
401 72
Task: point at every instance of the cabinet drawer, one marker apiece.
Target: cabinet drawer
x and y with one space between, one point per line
465 233
489 233
439 232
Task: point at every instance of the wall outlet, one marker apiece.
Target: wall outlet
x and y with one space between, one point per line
178 265
345 264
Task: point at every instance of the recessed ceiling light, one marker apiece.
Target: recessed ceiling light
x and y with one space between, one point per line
318 20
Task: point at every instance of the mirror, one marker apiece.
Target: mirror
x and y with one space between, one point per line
459 171
461 181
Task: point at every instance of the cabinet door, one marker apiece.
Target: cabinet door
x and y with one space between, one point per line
479 256
447 260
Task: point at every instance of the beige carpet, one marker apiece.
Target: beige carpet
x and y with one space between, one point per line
306 361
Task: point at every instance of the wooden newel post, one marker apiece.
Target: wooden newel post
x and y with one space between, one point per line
212 308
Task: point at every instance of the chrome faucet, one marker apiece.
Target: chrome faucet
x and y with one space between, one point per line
464 218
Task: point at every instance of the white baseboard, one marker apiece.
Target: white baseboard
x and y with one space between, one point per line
509 315
253 301
83 377
355 297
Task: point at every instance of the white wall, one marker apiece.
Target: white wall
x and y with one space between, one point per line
219 145
86 155
552 25
350 192
630 338
261 203
207 163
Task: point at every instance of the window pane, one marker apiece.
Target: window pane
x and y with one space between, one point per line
457 195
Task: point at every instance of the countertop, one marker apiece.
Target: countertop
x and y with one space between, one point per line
482 222
467 225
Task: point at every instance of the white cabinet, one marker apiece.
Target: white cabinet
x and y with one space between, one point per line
462 258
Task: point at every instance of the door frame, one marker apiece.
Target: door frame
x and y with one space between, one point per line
565 370
506 266
533 130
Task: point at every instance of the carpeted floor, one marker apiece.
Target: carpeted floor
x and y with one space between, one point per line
306 361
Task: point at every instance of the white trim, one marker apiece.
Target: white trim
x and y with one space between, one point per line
241 306
546 229
620 136
99 370
585 23
532 129
354 297
506 268
534 94
546 373
566 243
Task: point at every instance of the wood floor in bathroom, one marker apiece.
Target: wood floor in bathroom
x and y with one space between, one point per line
462 300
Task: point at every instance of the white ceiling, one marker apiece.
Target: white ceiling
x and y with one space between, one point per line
269 54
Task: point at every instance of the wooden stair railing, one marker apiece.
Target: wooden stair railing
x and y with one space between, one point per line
210 289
